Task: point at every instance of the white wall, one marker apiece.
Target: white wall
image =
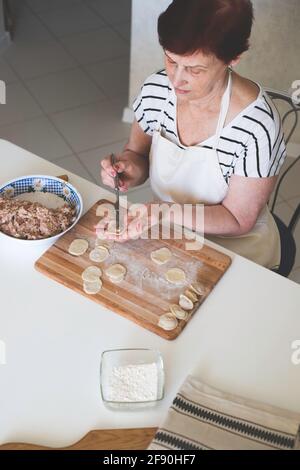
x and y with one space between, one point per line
274 60
146 55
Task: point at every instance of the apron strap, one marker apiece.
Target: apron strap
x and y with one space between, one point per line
223 114
224 111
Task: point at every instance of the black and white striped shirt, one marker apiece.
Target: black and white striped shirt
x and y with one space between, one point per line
251 145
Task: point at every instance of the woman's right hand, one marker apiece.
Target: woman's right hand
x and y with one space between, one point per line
130 167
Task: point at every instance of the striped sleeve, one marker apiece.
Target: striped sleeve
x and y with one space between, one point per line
151 101
265 149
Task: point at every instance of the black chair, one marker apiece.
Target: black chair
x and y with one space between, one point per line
287 240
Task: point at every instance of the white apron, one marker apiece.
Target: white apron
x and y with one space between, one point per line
193 175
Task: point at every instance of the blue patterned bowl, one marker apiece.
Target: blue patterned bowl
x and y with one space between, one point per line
37 186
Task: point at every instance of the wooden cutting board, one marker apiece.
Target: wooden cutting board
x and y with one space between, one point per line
145 294
112 439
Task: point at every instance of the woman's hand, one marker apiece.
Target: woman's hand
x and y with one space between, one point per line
132 170
134 224
132 164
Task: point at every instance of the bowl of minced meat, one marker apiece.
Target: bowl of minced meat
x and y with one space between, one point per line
36 208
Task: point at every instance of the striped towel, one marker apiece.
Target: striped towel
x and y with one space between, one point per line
202 417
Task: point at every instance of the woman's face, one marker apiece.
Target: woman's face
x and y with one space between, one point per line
194 76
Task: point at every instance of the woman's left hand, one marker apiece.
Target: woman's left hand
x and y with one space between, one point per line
133 224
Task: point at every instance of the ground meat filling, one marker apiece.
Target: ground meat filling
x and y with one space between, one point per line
31 220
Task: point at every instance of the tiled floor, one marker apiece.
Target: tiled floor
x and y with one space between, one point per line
67 76
67 84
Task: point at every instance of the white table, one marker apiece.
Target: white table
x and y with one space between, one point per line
239 341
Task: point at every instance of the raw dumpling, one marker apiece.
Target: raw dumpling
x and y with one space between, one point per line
168 322
191 295
178 312
185 303
198 288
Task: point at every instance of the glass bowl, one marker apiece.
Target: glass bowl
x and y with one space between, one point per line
131 378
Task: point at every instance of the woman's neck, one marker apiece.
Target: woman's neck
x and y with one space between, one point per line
211 101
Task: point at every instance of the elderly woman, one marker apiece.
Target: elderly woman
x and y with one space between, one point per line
205 134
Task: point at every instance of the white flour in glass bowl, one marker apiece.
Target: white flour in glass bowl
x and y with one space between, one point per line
133 383
131 378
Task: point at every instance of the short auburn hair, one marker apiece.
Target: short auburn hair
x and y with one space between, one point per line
218 27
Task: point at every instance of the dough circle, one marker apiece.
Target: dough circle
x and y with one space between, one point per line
92 288
116 273
91 274
168 322
175 276
161 256
78 247
99 254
